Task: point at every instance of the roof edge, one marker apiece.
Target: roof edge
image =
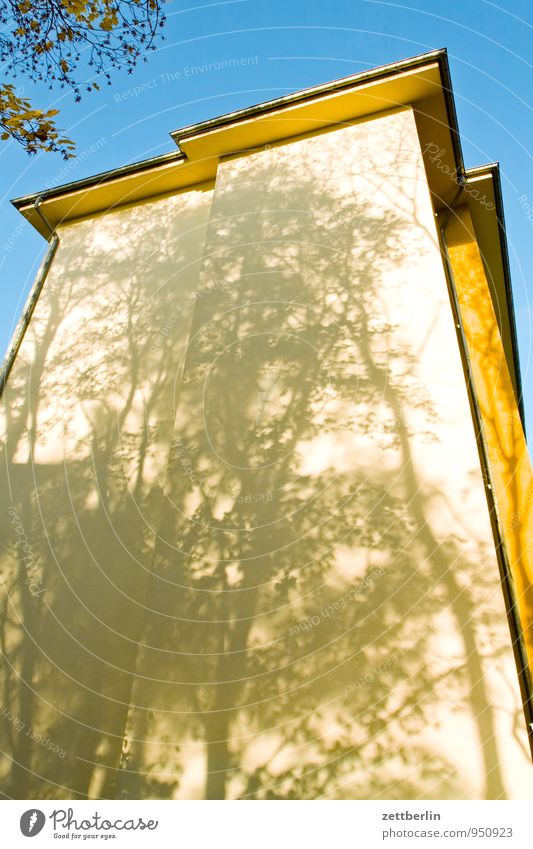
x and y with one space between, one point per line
440 56
303 95
101 178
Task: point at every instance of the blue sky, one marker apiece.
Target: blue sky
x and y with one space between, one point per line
283 46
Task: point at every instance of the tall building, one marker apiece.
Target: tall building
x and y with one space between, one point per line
267 492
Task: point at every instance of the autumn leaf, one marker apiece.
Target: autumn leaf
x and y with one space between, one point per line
48 42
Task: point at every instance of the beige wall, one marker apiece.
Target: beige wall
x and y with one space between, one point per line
322 614
348 607
90 408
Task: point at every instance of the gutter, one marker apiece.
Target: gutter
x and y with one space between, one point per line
33 297
511 603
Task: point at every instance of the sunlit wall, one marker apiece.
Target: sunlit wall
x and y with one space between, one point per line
240 453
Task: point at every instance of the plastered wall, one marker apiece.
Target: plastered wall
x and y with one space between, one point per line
89 412
245 462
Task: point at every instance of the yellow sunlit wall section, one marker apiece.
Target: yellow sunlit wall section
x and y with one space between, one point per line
325 567
508 453
88 418
239 443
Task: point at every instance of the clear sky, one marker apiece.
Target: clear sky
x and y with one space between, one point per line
286 45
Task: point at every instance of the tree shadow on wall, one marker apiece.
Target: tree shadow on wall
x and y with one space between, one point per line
89 417
293 612
288 615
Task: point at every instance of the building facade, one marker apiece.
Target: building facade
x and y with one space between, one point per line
267 491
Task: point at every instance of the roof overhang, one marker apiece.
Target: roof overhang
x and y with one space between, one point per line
422 83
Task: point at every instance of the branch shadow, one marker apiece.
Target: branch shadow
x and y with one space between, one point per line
243 583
